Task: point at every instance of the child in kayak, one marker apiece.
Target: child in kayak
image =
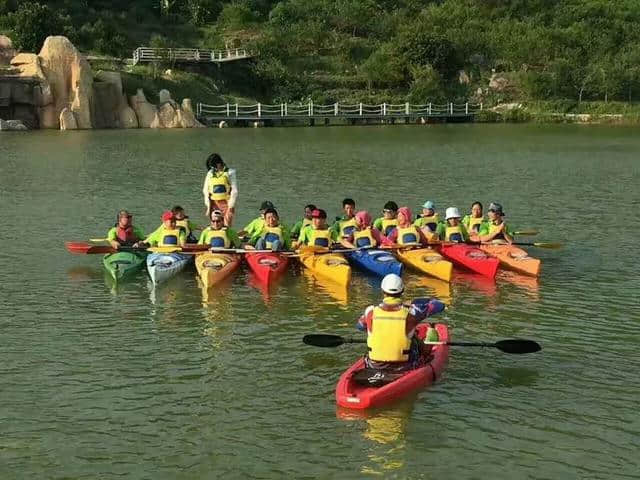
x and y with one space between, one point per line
343 227
406 233
183 223
256 224
388 221
220 188
474 220
124 233
166 235
273 235
429 220
305 222
317 234
453 230
496 230
390 327
364 235
217 235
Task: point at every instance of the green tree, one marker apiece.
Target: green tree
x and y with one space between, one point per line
33 22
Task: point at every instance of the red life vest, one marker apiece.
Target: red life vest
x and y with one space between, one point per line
126 236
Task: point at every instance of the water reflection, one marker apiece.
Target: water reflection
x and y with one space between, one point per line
516 377
529 285
479 283
422 286
319 285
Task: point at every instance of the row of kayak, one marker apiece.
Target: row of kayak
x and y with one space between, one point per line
213 267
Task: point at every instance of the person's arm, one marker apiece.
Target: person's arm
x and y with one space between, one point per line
364 322
205 189
233 195
295 231
182 238
508 233
202 236
139 233
423 239
392 238
378 236
233 237
256 235
465 233
335 230
112 237
153 239
347 242
377 223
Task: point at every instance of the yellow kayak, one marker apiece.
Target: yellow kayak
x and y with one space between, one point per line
331 266
427 261
215 267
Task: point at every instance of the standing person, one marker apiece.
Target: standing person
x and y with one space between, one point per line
166 235
273 236
183 222
406 233
364 235
217 235
475 219
496 230
388 221
317 234
220 188
305 222
344 226
453 230
257 223
390 326
429 220
124 233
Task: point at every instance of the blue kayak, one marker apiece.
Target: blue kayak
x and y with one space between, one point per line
377 262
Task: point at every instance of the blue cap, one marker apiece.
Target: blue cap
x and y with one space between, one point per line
429 204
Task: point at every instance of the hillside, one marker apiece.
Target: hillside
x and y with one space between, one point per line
368 50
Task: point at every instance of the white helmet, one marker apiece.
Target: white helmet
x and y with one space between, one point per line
392 284
452 212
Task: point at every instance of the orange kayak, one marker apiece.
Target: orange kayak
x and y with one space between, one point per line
514 258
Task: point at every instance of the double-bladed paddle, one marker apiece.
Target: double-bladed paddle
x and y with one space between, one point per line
515 345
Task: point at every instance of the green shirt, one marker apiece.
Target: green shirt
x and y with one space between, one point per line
466 221
286 237
297 228
337 226
485 228
232 235
113 234
441 230
254 226
156 237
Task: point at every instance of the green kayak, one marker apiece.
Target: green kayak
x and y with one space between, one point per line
121 265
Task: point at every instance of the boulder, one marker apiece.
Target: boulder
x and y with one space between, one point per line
164 96
145 112
67 120
124 115
187 117
28 65
498 83
169 116
12 125
7 52
71 80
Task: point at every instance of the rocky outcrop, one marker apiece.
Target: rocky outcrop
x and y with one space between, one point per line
12 125
145 111
499 83
7 52
172 115
67 120
189 119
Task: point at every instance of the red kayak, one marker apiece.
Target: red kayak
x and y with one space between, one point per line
350 394
267 266
472 258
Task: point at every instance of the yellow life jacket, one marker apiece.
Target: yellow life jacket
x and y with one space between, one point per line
454 234
306 222
184 225
474 224
493 228
271 234
320 238
388 224
347 227
364 238
169 238
430 222
216 238
219 186
408 236
388 341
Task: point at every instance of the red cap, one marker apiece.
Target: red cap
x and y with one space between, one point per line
318 213
168 215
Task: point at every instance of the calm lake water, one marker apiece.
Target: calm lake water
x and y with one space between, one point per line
103 382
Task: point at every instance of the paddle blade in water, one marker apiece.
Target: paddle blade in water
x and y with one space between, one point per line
518 346
321 340
553 246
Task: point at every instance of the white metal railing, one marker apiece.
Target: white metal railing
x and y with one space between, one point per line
148 54
283 110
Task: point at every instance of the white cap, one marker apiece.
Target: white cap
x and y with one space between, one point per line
452 212
392 284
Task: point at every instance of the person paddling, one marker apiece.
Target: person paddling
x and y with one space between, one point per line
183 223
166 235
406 233
388 221
217 235
220 188
364 235
256 224
391 341
453 230
474 220
124 233
496 230
343 227
273 236
317 234
305 222
429 219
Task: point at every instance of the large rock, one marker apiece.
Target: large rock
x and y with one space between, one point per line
71 80
28 65
168 116
145 112
67 120
187 117
12 125
124 115
7 52
106 102
498 83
